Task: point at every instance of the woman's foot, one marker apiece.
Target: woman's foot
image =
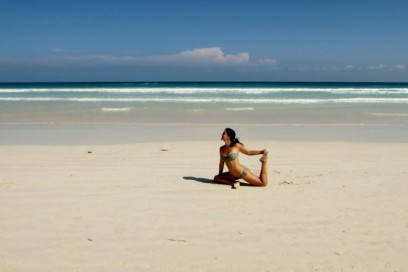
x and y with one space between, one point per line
264 157
236 185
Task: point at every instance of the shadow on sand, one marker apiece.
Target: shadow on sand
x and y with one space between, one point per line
202 180
209 181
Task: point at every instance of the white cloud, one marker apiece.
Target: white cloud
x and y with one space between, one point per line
212 55
58 50
201 56
347 67
400 67
268 61
61 50
385 67
350 67
377 67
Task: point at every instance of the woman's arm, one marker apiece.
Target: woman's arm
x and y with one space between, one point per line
248 152
221 167
221 164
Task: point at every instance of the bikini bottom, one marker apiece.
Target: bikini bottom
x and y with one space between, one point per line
243 173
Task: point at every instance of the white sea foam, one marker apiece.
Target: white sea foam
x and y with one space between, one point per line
164 90
211 100
240 109
388 114
115 109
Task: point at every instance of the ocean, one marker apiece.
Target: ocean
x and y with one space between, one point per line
205 102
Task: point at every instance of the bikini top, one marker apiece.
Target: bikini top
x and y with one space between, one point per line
229 157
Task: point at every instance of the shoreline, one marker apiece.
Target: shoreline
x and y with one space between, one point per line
242 114
100 134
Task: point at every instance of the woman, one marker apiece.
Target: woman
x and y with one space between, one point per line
229 156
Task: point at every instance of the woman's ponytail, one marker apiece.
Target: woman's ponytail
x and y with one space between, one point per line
231 134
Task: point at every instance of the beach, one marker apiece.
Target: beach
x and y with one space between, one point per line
119 177
335 201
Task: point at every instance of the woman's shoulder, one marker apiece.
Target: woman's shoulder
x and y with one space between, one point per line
239 145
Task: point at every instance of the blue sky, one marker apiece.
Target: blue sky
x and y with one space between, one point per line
212 40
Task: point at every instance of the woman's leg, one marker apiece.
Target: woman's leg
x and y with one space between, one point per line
262 180
227 178
264 167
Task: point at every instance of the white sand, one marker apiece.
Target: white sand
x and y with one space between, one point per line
330 206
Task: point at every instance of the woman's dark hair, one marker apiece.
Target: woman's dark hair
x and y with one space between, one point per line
231 134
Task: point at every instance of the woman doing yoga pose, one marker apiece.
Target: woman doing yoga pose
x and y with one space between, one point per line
229 157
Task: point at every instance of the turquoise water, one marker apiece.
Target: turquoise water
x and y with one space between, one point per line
186 101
